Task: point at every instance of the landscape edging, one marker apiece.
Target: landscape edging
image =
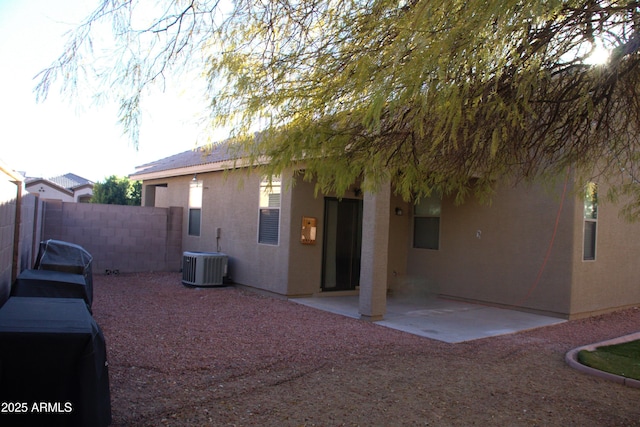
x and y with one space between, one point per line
572 360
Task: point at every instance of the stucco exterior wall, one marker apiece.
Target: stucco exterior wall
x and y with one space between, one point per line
230 202
497 253
46 192
611 280
80 193
306 261
305 268
523 250
399 243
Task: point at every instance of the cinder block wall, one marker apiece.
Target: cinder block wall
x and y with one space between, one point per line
8 197
125 238
29 229
173 259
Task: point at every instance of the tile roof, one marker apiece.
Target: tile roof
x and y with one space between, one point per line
70 181
67 181
197 157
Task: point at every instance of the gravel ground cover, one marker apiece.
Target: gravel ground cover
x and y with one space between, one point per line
183 356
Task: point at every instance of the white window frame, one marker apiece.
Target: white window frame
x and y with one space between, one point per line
195 203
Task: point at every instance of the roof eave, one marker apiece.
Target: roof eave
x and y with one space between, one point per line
10 172
190 170
51 185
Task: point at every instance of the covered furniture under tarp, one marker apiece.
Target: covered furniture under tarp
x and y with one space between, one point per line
54 354
66 257
51 284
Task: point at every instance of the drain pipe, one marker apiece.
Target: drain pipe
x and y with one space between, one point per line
16 179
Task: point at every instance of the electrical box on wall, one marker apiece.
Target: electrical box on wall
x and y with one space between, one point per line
309 228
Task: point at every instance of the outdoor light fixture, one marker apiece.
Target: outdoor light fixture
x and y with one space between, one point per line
399 211
195 177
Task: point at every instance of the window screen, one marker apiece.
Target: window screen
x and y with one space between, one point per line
269 226
589 253
590 221
269 212
426 223
194 222
426 232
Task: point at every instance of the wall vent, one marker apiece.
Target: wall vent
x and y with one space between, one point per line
204 268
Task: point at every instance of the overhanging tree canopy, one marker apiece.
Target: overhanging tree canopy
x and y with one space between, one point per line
425 93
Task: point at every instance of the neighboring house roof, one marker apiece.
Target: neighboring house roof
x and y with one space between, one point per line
70 181
67 183
200 159
11 173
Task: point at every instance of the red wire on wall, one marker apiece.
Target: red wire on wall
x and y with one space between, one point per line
535 284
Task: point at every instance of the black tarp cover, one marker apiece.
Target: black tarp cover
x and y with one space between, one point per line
53 351
51 284
56 253
66 257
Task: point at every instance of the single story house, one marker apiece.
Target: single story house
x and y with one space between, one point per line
67 188
536 249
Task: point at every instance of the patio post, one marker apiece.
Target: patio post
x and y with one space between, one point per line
374 257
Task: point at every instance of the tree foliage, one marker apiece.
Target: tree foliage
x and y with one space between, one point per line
117 191
428 94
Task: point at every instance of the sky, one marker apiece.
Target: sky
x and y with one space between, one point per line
59 136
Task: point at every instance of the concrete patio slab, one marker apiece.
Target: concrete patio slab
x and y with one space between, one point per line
437 318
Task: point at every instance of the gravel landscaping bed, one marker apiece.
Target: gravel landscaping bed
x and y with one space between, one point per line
224 356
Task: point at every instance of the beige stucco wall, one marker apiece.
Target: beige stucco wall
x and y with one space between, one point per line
612 279
494 253
80 192
399 243
305 267
230 203
44 191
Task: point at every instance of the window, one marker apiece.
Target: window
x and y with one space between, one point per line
269 212
426 223
195 207
590 221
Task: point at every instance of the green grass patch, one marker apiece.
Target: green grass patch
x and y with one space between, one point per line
620 359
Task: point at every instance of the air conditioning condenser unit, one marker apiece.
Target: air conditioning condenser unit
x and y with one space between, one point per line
204 268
